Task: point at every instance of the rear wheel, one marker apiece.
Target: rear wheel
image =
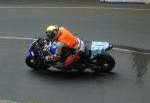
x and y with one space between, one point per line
35 64
106 63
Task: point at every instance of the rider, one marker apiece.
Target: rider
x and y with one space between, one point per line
64 37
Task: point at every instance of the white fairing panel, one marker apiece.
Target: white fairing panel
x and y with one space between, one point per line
98 47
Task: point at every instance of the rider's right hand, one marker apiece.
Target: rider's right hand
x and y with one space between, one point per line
46 47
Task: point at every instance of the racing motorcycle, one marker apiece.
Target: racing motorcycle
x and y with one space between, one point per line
96 56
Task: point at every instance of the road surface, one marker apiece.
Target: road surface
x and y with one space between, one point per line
125 27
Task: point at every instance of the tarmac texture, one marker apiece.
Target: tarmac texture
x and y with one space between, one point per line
127 83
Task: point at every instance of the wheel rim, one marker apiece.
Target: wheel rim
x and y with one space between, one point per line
32 61
104 64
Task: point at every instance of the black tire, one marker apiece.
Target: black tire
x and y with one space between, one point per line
106 63
35 64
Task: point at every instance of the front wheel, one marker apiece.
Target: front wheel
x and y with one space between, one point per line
35 64
106 63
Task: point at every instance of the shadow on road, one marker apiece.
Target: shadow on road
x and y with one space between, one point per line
69 75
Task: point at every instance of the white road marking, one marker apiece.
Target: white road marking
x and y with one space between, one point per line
131 51
119 49
17 38
102 8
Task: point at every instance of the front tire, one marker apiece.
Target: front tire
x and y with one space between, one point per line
35 64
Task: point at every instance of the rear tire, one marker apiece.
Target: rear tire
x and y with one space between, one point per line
106 63
35 64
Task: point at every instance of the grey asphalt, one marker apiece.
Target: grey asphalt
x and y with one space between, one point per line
122 27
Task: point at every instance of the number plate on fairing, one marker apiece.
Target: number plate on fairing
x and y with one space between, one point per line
98 47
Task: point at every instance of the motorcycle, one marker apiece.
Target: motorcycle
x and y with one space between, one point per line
96 56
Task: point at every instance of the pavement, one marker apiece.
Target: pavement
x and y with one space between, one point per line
127 83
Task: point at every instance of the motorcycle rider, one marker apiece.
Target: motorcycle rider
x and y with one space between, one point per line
64 37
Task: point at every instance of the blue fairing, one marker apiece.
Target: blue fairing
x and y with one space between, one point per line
53 47
36 53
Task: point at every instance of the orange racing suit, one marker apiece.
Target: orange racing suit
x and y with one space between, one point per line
67 38
71 41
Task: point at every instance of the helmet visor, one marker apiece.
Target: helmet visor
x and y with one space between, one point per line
50 35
